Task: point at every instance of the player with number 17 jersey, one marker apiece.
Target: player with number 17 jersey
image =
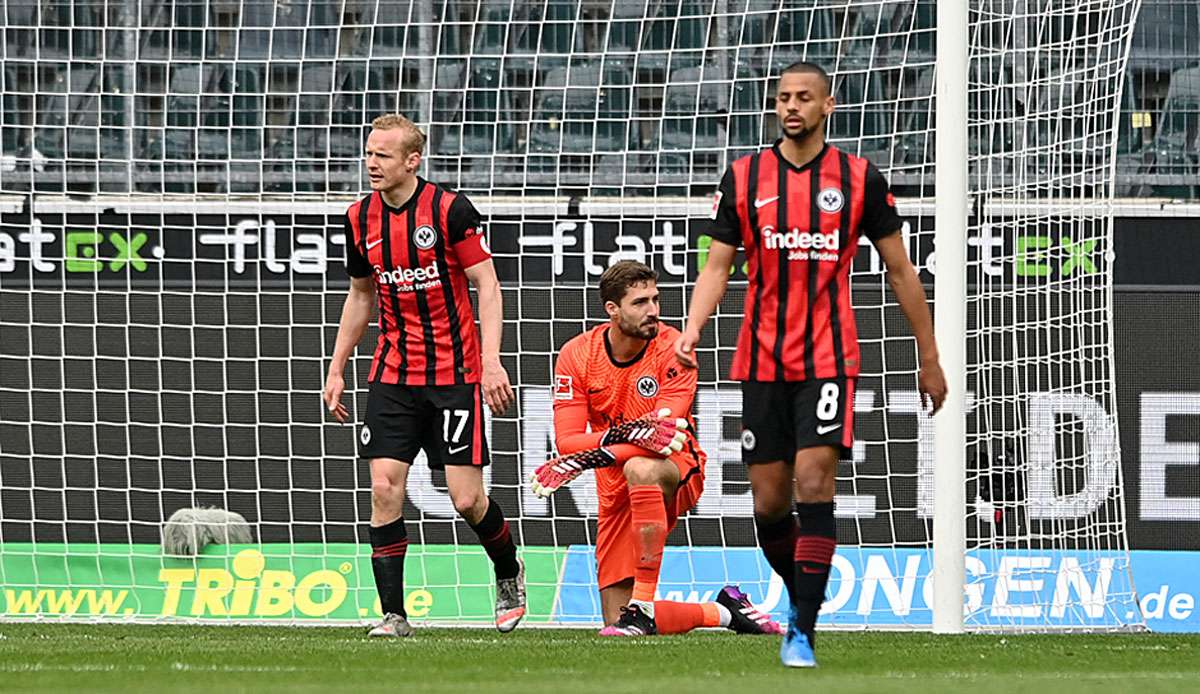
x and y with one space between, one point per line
417 254
412 247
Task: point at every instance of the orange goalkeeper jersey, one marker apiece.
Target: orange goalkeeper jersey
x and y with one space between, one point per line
592 388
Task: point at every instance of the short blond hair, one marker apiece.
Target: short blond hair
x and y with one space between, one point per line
414 137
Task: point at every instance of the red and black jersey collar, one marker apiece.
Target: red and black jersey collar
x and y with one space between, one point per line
783 161
407 204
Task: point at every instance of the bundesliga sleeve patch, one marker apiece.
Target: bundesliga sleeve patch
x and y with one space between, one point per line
716 205
562 388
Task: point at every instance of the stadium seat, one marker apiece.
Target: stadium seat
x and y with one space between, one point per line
257 13
757 25
287 43
625 26
1133 142
21 14
312 142
350 85
320 42
484 132
179 143
591 113
914 116
212 144
316 88
249 111
254 44
388 40
83 143
1180 124
246 143
558 27
185 78
808 34
500 83
347 116
216 94
491 33
749 107
695 109
198 98
449 86
1166 36
691 32
861 123
1175 151
914 143
451 35
1133 126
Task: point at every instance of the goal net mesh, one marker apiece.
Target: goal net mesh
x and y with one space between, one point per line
173 180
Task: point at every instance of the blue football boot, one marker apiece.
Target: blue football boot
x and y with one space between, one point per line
796 650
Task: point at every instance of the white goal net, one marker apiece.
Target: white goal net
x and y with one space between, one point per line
171 185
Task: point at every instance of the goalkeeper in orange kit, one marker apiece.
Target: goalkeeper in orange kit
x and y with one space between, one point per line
621 378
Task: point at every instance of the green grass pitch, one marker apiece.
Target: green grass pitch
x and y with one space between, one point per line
132 658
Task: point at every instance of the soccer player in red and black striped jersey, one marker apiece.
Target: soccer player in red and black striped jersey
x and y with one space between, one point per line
798 208
411 248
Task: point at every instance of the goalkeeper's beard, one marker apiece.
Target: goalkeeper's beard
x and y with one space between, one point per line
645 330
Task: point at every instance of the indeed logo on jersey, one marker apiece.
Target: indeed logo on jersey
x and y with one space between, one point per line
410 279
804 245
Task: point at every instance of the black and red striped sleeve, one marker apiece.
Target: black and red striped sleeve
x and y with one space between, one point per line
465 228
356 264
723 224
880 218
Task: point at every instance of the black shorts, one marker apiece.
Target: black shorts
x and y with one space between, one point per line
780 418
445 421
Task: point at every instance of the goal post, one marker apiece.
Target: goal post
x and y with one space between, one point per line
950 319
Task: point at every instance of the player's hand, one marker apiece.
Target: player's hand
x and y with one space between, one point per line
497 391
932 384
659 433
334 386
685 348
560 471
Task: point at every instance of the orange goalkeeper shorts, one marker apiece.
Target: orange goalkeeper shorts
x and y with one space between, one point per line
616 553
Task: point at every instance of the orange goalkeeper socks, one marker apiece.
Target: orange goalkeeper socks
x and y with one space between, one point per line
649 515
682 617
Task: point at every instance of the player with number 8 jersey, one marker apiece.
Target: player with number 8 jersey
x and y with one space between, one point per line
412 246
798 209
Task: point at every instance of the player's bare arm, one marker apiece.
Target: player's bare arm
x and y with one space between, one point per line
497 390
902 277
356 314
707 294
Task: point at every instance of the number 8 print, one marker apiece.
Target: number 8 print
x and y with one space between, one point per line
827 404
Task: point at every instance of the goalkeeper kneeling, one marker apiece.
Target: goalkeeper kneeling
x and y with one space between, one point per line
621 378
